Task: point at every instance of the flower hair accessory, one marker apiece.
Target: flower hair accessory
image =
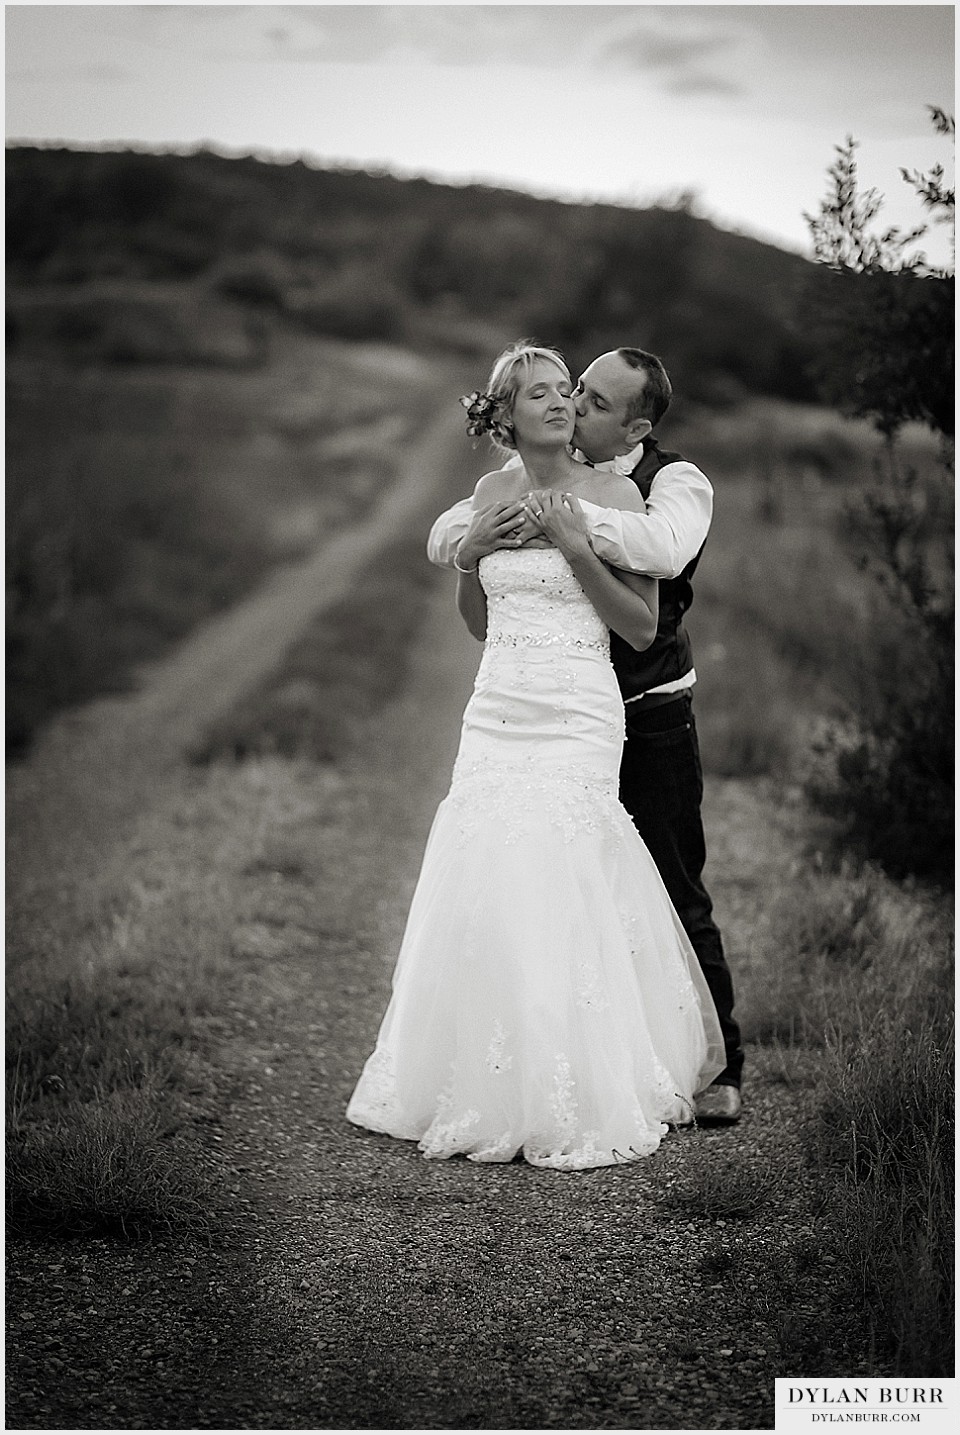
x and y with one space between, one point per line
480 412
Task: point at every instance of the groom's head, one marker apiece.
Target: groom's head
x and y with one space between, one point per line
620 397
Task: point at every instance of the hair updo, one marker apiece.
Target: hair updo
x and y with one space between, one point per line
491 411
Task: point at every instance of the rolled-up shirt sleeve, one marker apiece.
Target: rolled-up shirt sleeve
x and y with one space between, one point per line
447 533
662 541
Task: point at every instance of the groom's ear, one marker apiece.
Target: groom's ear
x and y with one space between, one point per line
637 431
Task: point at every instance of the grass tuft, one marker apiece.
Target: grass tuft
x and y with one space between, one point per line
94 1076
109 1167
715 1183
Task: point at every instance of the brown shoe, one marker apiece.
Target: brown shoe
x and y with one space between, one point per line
719 1106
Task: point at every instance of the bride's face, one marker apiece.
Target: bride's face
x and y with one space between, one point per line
543 410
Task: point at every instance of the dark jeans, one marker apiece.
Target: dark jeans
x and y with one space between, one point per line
661 786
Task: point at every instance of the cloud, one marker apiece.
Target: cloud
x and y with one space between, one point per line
648 49
670 44
693 84
546 37
675 50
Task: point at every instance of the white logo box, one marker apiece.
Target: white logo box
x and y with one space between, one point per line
829 1404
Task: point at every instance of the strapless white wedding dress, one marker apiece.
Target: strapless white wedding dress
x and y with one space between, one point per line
546 999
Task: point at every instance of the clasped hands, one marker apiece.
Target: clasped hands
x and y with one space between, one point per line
541 518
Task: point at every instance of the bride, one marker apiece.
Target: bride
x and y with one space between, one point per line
546 1000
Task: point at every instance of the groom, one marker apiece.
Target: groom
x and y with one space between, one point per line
619 399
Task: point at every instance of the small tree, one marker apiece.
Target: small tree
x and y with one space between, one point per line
883 325
883 318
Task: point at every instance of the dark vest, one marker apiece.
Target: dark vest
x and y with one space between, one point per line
670 655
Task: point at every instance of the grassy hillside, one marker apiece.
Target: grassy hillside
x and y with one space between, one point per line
369 256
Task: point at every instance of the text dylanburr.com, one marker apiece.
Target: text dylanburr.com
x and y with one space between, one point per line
823 1404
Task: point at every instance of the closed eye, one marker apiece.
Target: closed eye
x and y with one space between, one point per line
597 403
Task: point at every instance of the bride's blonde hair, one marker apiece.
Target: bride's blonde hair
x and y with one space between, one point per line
506 377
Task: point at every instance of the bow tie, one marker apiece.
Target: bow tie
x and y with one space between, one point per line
624 463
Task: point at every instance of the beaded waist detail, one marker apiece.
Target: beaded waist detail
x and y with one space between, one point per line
548 640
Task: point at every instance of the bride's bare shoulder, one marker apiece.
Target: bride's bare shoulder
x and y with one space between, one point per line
501 484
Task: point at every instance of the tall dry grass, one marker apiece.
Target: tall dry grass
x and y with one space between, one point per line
884 1139
861 978
783 621
852 996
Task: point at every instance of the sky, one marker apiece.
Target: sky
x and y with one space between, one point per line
740 105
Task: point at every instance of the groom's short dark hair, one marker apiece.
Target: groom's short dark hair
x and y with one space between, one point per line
654 398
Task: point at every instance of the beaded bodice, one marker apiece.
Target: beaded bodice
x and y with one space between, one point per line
534 600
543 730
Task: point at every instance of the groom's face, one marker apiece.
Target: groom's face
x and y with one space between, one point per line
602 395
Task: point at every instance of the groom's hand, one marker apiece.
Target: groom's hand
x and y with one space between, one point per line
502 525
559 518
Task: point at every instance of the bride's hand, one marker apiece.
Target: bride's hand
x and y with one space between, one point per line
559 517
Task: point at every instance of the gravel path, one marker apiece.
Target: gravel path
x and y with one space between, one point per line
355 1285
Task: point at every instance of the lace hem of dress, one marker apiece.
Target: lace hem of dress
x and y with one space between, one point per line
560 1145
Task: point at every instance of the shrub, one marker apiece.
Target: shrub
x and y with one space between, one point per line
259 279
886 775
